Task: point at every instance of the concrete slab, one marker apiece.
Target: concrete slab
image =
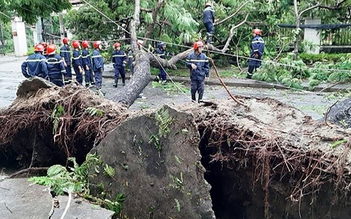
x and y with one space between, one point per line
20 199
80 209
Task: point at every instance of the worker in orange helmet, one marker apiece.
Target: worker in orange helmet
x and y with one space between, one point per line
35 64
56 69
199 67
77 61
86 61
119 60
98 63
65 53
257 50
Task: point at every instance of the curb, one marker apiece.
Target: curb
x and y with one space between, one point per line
238 82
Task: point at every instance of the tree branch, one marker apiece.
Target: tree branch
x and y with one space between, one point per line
231 34
227 18
150 27
309 8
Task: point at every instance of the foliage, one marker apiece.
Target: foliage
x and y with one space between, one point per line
92 111
324 57
287 72
30 10
76 179
171 88
57 112
163 121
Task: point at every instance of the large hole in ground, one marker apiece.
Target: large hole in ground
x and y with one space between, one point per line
232 194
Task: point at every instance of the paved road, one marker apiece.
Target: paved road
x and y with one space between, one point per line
312 103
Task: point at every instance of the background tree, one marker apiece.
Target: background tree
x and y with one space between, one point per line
30 10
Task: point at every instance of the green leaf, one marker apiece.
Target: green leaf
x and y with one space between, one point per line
338 143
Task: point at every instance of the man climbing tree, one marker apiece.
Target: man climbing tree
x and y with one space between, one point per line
208 20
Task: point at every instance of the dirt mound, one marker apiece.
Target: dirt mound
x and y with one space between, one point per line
263 159
46 124
272 161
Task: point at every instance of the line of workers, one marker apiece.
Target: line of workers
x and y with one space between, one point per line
57 69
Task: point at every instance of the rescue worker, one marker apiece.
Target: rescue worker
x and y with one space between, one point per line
98 63
45 48
119 62
56 69
208 20
65 53
257 50
77 61
35 64
199 67
130 61
161 52
86 60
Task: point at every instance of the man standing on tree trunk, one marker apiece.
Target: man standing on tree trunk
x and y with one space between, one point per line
199 67
257 50
208 20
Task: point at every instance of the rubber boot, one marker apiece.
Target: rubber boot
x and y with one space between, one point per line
200 98
209 38
124 81
193 97
116 83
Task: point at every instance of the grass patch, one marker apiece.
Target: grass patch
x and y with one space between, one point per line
171 88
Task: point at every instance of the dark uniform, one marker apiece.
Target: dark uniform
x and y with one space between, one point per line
98 67
257 50
119 61
77 65
161 52
65 53
197 76
208 20
56 69
86 59
35 65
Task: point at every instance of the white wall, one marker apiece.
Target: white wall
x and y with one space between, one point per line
19 36
312 35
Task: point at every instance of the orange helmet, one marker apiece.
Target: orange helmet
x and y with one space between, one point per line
198 44
51 49
257 31
116 45
38 48
75 44
97 43
85 44
65 40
